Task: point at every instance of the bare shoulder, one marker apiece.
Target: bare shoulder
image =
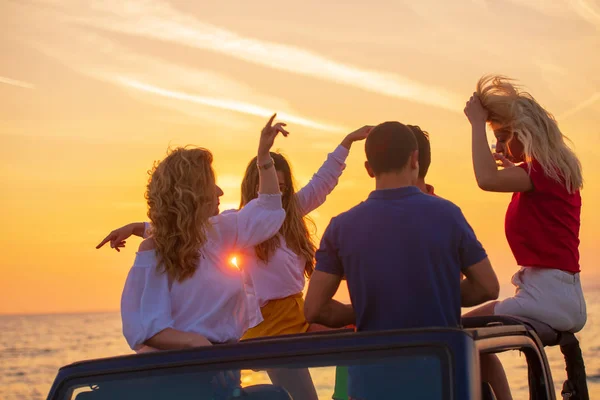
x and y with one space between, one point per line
147 244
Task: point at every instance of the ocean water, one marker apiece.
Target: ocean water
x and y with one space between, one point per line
33 347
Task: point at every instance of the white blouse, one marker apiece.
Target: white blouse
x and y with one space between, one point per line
283 276
212 302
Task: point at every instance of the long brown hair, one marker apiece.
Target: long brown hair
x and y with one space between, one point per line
181 198
294 229
517 111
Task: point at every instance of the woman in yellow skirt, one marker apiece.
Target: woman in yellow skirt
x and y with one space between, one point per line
275 271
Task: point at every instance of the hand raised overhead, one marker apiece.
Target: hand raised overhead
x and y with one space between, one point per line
359 134
269 133
475 111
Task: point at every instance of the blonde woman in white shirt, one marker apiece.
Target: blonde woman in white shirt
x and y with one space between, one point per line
180 291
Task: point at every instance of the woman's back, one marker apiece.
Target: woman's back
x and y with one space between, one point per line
211 302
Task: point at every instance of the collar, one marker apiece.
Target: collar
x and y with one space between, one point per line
429 189
393 194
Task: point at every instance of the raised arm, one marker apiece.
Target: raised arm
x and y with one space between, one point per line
261 218
313 195
487 174
268 183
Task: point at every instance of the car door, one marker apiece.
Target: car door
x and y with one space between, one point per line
436 364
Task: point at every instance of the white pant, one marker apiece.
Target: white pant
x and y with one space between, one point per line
547 295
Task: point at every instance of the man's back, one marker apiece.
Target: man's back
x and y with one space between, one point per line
402 252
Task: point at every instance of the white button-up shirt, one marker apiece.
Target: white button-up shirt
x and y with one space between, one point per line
212 302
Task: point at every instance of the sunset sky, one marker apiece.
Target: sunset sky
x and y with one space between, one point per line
92 92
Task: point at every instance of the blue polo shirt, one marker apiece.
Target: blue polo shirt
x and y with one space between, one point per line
402 252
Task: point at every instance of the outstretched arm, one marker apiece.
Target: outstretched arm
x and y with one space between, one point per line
118 236
313 195
261 218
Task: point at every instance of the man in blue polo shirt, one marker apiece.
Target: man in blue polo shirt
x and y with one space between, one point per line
402 251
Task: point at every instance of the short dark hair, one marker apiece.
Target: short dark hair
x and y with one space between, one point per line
389 146
424 149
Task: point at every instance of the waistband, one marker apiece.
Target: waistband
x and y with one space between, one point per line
564 276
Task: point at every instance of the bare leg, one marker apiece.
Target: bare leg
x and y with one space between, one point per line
491 367
297 382
486 309
493 373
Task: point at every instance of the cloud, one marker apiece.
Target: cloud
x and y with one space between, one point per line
103 59
583 9
587 10
227 104
157 20
584 104
14 82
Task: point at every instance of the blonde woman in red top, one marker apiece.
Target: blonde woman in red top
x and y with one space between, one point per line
543 217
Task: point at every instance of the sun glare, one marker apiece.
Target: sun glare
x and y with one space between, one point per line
234 262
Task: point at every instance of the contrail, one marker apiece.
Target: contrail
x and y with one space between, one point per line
158 20
226 104
111 63
14 82
584 104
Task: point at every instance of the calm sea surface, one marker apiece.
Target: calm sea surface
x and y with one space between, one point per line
32 348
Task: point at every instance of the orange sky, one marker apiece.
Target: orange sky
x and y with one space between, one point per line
91 92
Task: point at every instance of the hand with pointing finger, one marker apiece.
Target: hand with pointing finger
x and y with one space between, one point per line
268 135
118 236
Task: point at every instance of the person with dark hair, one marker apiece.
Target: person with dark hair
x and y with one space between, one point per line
399 247
424 158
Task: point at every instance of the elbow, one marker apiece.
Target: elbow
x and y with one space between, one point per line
277 223
311 314
485 184
493 291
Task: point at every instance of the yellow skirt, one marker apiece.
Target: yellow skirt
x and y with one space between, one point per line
280 317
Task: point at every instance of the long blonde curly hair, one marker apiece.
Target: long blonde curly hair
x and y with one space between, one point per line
516 111
295 229
181 196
